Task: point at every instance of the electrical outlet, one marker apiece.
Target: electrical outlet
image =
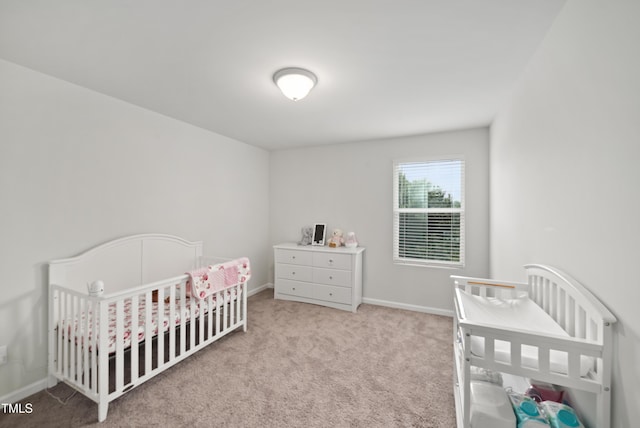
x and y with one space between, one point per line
3 354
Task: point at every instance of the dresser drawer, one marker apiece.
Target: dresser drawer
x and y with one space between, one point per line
295 272
335 261
330 293
293 257
332 277
294 288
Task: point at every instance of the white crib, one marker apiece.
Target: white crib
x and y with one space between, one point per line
550 329
105 346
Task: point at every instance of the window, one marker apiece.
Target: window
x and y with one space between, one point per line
428 212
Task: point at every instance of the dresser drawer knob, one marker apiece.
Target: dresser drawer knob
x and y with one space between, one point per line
330 277
330 261
330 294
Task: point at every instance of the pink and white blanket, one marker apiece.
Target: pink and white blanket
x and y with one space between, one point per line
211 279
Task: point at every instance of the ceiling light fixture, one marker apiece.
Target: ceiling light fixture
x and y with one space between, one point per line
295 83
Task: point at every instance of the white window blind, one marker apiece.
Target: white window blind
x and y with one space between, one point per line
428 212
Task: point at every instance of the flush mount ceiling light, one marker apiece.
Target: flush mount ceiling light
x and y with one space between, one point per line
295 83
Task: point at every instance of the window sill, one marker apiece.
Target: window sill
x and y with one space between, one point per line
450 266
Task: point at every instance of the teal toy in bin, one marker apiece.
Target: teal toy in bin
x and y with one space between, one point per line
561 415
527 412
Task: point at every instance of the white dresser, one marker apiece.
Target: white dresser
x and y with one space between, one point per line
321 275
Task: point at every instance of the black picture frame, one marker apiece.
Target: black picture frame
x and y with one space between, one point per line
319 233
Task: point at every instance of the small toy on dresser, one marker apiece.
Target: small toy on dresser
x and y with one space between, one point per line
351 241
336 239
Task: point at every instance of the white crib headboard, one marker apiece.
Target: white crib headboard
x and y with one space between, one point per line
127 262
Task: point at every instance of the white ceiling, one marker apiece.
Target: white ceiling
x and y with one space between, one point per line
385 68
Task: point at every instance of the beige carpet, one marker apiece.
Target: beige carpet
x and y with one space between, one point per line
298 365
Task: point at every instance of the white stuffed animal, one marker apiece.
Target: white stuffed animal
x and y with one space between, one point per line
336 239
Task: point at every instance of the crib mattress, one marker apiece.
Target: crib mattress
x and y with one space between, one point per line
200 306
520 313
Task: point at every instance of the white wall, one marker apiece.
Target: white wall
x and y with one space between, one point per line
78 168
349 186
565 175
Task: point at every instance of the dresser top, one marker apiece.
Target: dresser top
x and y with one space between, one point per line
319 248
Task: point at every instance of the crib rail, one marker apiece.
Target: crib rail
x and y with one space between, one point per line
79 357
490 288
545 344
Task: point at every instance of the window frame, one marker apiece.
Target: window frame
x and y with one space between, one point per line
397 259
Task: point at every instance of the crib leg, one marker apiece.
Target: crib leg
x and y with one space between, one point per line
102 411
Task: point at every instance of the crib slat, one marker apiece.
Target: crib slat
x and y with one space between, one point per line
72 337
553 304
160 336
225 312
172 322
183 302
85 342
135 313
192 330
546 296
68 333
232 306
571 316
119 344
239 302
148 333
218 297
201 321
77 365
244 306
103 350
61 327
210 316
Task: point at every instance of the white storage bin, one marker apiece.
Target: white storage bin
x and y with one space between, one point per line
490 407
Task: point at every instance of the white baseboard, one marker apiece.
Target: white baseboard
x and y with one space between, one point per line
259 289
25 392
408 307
